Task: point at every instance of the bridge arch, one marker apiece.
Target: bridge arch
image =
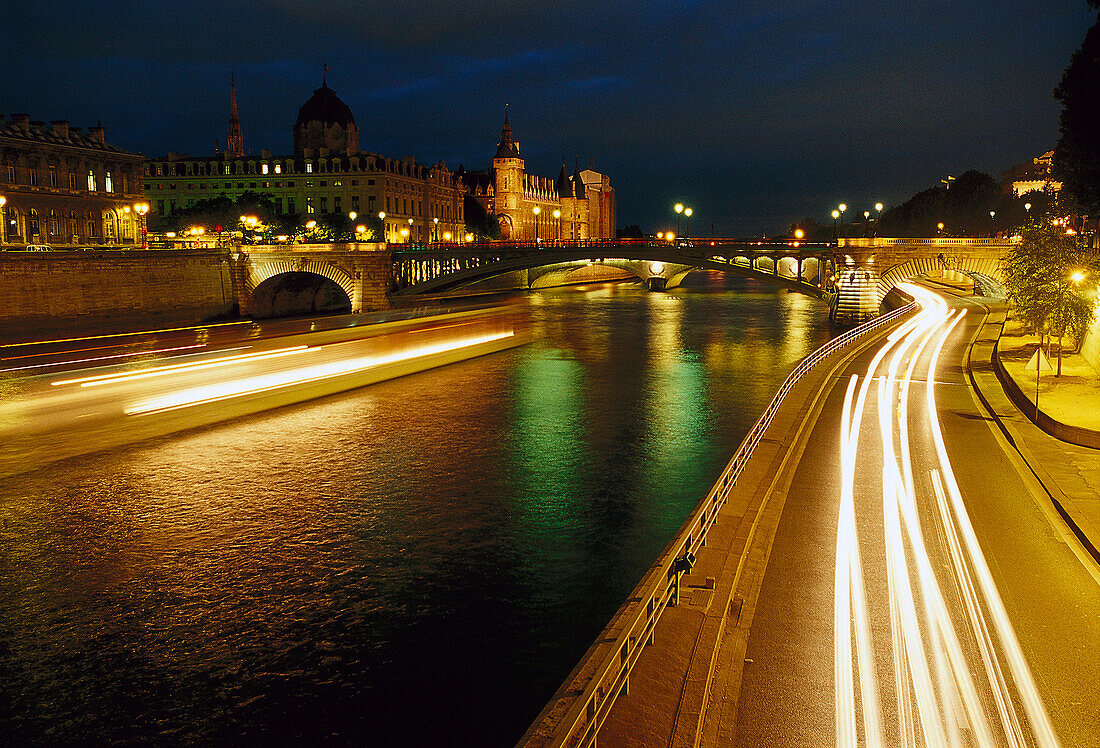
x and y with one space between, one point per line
266 278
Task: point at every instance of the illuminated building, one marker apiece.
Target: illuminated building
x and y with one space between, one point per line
326 174
66 188
1031 176
584 202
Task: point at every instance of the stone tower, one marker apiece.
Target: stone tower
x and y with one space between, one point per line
508 178
235 144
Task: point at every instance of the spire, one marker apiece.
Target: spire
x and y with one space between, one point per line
324 75
563 187
235 145
507 147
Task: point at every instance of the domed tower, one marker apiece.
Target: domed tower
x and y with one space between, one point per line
508 178
325 125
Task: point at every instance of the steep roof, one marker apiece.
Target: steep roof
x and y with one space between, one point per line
507 147
563 187
325 106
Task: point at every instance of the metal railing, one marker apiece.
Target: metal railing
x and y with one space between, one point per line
578 709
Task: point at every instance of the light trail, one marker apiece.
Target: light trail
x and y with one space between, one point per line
67 362
124 334
949 685
295 377
158 371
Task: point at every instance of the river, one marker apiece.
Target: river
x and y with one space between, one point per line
417 562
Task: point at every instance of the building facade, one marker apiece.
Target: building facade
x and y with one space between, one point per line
65 188
1031 176
326 174
529 207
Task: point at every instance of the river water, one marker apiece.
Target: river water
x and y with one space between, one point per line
418 562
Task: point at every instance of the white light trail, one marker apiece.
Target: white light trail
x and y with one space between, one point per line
949 686
132 354
159 371
297 376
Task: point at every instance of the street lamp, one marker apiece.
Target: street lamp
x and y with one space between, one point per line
836 215
446 236
353 215
141 209
382 218
435 229
939 228
992 223
679 208
410 231
536 211
842 207
3 226
557 223
687 220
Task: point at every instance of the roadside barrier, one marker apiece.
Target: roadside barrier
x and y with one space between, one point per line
578 709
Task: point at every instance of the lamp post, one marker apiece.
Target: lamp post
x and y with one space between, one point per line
410 232
557 223
939 228
536 211
687 221
679 208
836 234
866 222
1027 211
1075 278
842 207
992 223
435 229
878 219
141 209
3 226
382 228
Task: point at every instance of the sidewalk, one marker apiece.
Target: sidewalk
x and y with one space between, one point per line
1069 473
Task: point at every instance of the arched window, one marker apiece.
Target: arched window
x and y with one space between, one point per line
93 226
91 180
109 225
10 165
32 223
54 227
108 184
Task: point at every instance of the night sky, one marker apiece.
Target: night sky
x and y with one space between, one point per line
754 113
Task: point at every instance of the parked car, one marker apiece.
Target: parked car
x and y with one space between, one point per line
38 248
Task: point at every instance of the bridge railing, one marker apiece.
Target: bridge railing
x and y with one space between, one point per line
578 709
936 241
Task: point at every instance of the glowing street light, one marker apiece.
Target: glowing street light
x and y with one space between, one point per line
353 215
557 223
435 229
141 209
836 215
408 232
679 208
799 233
687 220
536 211
382 218
446 236
3 202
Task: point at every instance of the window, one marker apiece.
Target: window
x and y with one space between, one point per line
72 180
160 207
290 205
32 223
240 185
309 168
108 184
73 223
324 183
336 204
337 183
93 228
309 205
279 205
370 203
309 183
278 168
91 180
355 203
251 185
32 175
355 183
53 177
202 186
225 170
370 182
109 226
324 205
290 183
263 168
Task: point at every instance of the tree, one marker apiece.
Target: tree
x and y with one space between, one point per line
1052 281
1077 154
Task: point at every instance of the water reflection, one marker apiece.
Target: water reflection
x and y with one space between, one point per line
419 562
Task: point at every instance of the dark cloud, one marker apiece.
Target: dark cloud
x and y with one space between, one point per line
757 112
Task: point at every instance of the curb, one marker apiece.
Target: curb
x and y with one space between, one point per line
1049 486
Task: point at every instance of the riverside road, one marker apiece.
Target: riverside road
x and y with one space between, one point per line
1049 590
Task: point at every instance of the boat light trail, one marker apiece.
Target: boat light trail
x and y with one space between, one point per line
294 377
67 362
158 371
